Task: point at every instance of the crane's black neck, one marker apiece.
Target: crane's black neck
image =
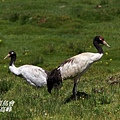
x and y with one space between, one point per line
98 47
12 61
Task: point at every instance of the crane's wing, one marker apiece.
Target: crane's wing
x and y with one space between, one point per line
34 74
78 64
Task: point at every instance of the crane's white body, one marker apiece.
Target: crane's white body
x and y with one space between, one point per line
78 64
36 76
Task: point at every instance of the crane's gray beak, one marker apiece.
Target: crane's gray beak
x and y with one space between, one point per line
7 56
105 43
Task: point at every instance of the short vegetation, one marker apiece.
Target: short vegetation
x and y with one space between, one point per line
47 32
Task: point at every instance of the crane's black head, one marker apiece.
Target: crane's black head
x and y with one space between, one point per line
12 55
100 40
54 79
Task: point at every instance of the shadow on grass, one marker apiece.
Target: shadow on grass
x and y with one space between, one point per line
80 95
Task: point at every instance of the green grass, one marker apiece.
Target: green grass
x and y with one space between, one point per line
45 33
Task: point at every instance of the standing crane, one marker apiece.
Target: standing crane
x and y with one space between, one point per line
75 67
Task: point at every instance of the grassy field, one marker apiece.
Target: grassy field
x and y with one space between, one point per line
47 32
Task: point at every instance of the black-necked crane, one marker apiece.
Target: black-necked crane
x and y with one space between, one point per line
74 67
35 75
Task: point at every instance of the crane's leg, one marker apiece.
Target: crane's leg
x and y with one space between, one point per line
75 89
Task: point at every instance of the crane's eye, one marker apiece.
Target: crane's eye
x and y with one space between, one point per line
101 38
12 53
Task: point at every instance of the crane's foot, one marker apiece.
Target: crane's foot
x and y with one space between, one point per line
75 97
